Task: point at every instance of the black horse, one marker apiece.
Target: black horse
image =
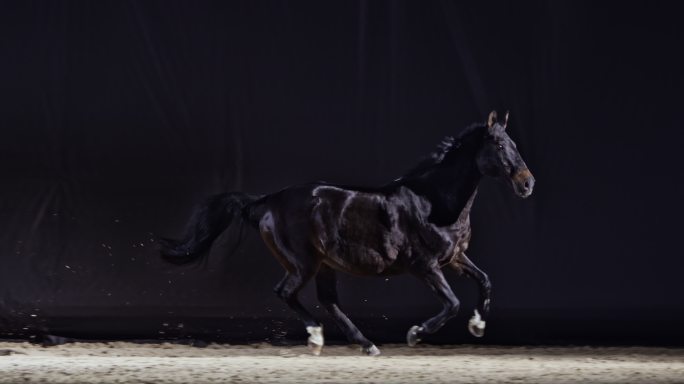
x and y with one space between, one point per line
418 223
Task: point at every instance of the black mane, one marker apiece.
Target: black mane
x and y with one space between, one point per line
438 155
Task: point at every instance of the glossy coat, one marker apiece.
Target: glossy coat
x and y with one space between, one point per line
418 224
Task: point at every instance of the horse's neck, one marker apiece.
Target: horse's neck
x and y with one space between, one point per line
453 200
450 191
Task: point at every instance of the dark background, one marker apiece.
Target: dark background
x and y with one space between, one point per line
116 117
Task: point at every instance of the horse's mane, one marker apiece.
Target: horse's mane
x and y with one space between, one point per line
443 148
428 162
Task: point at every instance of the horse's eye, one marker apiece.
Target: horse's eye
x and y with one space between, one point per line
500 147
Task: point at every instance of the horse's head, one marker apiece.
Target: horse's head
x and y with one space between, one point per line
499 157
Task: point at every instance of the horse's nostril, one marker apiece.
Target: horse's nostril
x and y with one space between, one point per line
527 184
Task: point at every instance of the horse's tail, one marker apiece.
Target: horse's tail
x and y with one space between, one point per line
208 221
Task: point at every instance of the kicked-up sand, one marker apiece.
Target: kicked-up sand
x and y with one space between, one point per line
124 362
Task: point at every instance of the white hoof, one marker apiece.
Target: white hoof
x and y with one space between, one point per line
315 341
371 351
476 325
412 336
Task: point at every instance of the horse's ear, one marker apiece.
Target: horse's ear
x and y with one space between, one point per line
506 120
491 120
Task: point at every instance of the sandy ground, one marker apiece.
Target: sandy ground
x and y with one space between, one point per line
120 362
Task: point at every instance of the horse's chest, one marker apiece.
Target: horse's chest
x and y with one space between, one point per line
460 238
439 244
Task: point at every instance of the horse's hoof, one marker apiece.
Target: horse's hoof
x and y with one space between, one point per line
476 325
475 331
315 348
412 336
371 351
315 341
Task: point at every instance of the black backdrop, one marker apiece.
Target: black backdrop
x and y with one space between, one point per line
116 117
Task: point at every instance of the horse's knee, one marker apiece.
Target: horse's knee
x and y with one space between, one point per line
286 295
453 307
486 285
288 287
278 292
284 292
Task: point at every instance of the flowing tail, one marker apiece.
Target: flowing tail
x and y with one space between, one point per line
208 221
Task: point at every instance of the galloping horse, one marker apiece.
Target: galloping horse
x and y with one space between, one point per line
418 223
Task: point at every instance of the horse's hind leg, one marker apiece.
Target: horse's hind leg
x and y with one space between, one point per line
299 272
326 289
436 281
476 325
288 290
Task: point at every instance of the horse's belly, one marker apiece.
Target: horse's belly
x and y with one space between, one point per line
355 232
360 260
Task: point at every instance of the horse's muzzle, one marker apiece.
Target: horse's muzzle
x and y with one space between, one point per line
523 183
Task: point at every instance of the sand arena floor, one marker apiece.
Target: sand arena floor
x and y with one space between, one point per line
121 362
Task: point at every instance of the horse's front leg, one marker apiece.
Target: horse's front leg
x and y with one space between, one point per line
476 325
436 281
